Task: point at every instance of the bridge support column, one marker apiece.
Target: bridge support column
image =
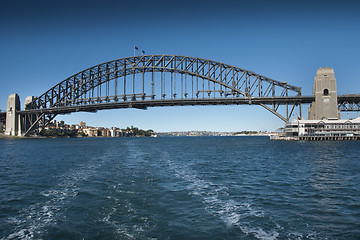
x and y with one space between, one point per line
325 93
13 126
27 120
2 124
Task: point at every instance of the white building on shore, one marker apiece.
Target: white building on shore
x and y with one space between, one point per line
346 129
324 116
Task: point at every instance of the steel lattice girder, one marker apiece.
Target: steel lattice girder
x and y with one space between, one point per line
349 106
244 82
220 83
2 116
349 102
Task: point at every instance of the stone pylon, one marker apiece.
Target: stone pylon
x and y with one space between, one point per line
325 93
13 127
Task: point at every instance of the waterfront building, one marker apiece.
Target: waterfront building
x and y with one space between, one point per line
105 132
113 132
121 133
90 132
52 124
82 124
324 116
326 129
60 124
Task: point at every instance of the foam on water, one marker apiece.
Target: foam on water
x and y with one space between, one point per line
125 231
30 221
216 200
121 229
114 214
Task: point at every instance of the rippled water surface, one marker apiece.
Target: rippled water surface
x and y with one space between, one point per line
179 188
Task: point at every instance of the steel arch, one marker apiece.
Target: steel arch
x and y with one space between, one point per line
127 80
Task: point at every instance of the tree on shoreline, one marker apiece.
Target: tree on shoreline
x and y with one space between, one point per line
134 131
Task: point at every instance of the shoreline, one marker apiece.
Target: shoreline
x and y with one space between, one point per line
3 136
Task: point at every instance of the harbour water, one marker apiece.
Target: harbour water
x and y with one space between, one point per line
179 188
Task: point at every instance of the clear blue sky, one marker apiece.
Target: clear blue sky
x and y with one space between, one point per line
44 42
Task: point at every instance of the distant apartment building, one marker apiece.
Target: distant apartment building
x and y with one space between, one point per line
114 132
58 127
60 124
61 128
105 132
52 124
90 132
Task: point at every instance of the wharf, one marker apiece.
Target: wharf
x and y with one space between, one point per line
315 138
328 138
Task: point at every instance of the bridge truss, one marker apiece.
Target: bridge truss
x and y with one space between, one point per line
349 102
160 80
2 117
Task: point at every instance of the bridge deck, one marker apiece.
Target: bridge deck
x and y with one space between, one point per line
349 98
174 102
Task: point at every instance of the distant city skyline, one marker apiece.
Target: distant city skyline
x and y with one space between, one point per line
45 42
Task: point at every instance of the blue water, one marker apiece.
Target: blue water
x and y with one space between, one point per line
179 188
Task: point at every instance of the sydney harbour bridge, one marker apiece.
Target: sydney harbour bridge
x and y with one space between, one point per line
158 81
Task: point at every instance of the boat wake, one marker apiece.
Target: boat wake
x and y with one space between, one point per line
31 221
217 201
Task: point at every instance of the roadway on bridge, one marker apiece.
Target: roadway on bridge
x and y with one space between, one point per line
348 98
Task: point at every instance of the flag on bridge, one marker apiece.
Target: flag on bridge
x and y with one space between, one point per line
136 48
143 51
